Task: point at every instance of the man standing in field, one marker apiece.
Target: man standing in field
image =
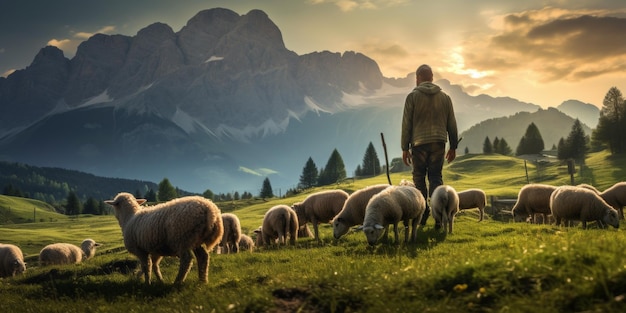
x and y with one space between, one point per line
427 124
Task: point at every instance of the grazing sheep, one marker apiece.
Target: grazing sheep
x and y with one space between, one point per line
320 207
571 203
279 222
11 260
390 206
473 198
232 233
246 243
615 196
181 227
353 211
305 232
67 253
444 204
532 199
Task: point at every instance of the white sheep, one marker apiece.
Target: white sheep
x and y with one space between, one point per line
11 260
444 204
390 206
353 211
532 199
181 227
279 223
246 243
320 207
571 203
232 233
67 253
473 198
615 196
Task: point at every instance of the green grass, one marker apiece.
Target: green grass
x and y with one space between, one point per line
491 266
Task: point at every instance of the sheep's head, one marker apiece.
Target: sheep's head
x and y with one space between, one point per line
611 218
520 216
339 227
19 267
373 233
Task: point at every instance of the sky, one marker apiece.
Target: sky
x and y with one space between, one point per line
537 51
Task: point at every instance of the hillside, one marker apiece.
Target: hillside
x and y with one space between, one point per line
15 210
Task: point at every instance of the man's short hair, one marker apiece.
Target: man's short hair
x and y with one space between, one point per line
424 72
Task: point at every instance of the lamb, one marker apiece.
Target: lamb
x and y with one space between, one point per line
532 199
279 222
232 233
67 253
390 206
181 227
246 243
615 196
320 207
473 198
581 204
353 211
11 260
444 204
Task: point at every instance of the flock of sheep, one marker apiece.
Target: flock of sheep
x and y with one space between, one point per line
193 226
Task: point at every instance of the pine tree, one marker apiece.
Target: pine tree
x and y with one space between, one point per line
309 175
166 191
504 148
487 147
371 163
612 123
208 194
334 170
151 196
496 145
531 142
575 146
73 206
266 189
91 206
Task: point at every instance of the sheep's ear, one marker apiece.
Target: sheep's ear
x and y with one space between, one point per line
141 201
360 228
109 202
378 226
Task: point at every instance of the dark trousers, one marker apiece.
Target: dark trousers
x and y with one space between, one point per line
428 161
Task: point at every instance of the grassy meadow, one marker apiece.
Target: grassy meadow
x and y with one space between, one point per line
492 266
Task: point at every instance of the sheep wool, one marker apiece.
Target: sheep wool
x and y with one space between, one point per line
246 243
232 233
571 203
390 206
279 223
353 211
615 196
67 253
473 198
11 260
532 199
181 227
320 207
444 204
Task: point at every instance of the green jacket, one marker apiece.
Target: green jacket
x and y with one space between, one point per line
428 117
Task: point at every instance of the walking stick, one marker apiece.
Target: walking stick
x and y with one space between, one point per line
382 137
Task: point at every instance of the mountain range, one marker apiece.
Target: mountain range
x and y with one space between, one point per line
220 105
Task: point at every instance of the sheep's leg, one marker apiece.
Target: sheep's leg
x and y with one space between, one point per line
185 264
414 226
396 232
482 213
146 267
156 259
203 258
406 231
450 222
315 229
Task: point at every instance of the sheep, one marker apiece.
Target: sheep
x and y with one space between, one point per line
232 233
279 222
532 199
320 207
67 253
353 211
444 204
181 227
473 198
581 204
615 196
246 243
11 260
390 206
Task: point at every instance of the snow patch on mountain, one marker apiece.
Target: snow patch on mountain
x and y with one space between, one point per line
214 58
184 121
101 98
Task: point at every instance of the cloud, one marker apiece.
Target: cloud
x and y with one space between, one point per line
351 5
257 172
553 44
